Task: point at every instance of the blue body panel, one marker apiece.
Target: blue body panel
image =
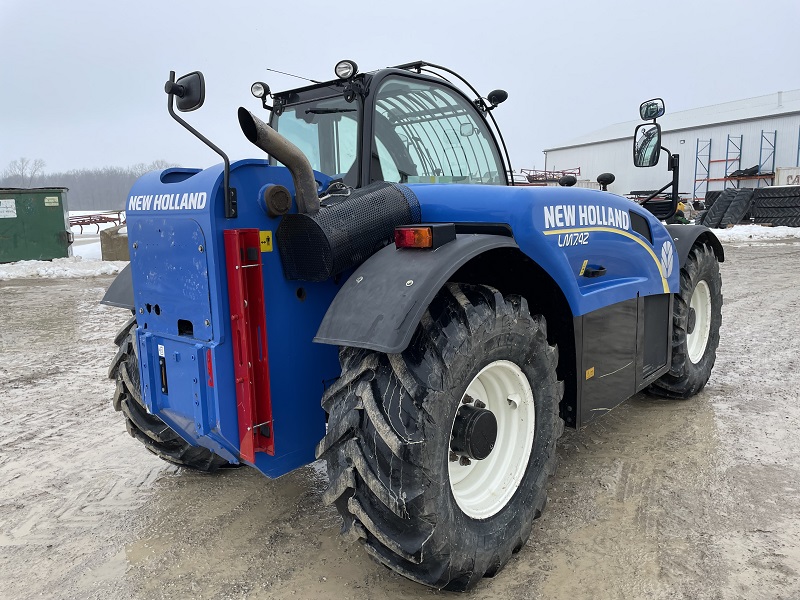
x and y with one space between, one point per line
175 230
560 228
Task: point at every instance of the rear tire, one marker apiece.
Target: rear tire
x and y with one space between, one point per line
696 316
151 431
393 477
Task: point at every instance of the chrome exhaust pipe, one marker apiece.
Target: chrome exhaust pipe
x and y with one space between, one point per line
277 146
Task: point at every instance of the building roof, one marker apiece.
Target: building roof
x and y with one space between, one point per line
779 103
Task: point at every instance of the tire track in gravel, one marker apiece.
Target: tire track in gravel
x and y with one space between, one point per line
56 493
694 500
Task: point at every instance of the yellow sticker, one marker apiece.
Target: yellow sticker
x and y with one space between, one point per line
583 268
589 373
266 241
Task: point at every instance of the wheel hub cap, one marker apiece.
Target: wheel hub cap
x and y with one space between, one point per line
474 432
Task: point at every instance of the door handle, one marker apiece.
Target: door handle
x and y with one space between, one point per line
591 271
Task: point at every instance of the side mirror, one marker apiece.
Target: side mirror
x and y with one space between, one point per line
189 91
496 97
651 109
647 145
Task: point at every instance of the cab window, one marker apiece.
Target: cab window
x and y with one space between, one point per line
426 133
325 130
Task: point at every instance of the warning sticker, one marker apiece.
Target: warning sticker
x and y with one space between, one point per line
51 201
589 373
8 208
161 350
266 241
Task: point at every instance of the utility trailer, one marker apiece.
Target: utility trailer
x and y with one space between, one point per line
385 303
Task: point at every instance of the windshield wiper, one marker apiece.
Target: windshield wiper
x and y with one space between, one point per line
328 111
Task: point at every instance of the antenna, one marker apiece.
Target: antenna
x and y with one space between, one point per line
291 75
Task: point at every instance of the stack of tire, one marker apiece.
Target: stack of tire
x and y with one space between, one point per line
729 208
777 206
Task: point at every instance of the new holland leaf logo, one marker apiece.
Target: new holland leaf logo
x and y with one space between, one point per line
667 258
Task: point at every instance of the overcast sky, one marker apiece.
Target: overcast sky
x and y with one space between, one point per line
81 82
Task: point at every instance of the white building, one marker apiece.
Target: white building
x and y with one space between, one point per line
713 143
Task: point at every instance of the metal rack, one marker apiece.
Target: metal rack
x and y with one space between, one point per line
766 156
733 156
702 166
733 163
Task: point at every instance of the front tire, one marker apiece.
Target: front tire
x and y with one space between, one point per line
151 431
697 316
431 514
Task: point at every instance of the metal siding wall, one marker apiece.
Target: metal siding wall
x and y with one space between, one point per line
609 157
617 156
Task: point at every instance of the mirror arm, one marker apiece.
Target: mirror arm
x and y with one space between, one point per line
673 164
230 193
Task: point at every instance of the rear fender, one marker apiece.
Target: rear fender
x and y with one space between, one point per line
120 292
686 236
380 305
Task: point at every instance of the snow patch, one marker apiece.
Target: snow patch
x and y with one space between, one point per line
747 233
74 266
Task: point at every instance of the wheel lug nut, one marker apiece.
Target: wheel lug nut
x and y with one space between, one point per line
464 461
467 399
453 456
479 404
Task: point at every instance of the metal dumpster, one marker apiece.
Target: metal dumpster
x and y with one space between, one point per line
34 224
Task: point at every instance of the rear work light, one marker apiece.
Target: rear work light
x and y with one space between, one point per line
424 236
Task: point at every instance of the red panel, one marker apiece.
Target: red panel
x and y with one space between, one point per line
249 338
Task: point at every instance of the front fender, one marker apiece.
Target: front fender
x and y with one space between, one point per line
380 305
685 236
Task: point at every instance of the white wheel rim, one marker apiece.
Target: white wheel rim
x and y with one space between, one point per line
482 488
701 304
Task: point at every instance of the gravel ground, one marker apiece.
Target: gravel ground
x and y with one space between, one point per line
664 500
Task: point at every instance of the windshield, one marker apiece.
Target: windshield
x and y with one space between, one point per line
425 132
326 131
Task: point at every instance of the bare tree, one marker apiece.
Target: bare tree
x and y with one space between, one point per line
23 171
104 188
160 164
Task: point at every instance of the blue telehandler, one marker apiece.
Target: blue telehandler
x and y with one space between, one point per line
379 294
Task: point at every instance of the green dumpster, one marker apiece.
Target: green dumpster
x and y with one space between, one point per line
34 224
